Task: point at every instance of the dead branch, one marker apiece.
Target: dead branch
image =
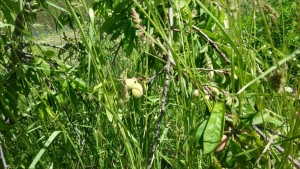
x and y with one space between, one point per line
213 44
279 148
165 92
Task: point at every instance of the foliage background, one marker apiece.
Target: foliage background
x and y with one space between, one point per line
64 103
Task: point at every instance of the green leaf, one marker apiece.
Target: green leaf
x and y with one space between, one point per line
203 49
180 4
57 7
199 133
274 120
49 53
45 68
79 84
247 111
5 25
260 117
265 117
109 115
42 65
41 152
214 129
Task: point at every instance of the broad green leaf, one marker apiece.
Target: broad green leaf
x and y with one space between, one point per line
210 34
265 117
260 117
274 120
8 9
41 152
38 60
45 68
214 129
247 111
42 65
49 53
203 49
79 84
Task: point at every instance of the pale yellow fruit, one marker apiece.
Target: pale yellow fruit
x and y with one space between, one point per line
196 93
137 90
130 82
235 77
222 144
214 90
206 97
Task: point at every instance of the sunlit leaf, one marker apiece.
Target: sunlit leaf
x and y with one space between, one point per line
214 129
109 115
260 117
46 68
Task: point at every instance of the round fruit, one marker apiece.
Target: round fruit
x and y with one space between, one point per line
235 77
214 90
130 82
137 90
196 93
222 144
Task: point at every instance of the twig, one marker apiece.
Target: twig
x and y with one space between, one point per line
25 44
49 45
82 147
112 63
266 148
280 149
165 92
213 44
223 71
158 73
5 166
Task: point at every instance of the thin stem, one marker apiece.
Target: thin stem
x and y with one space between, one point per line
5 166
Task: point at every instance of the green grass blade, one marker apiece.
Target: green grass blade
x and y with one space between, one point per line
41 152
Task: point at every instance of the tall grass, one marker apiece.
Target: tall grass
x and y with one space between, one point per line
68 106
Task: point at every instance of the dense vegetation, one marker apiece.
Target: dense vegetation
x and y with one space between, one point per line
149 84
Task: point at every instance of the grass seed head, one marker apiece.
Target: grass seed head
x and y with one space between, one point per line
277 80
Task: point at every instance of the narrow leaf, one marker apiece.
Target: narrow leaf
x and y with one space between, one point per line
41 152
199 133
